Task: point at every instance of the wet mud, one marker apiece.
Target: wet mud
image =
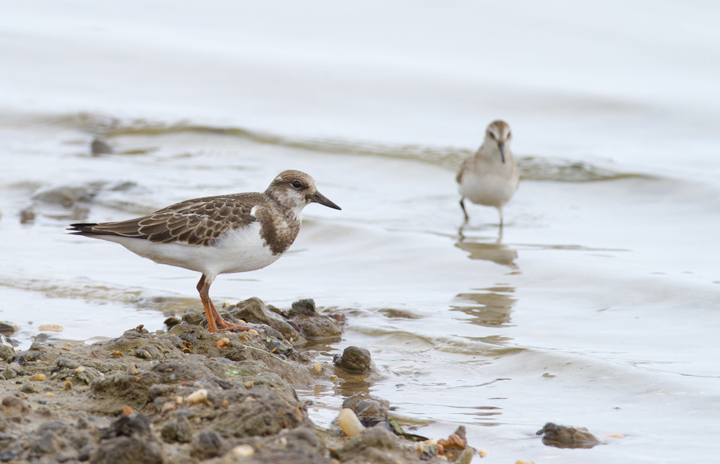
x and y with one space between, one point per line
186 395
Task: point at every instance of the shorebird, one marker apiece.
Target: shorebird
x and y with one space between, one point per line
217 235
490 176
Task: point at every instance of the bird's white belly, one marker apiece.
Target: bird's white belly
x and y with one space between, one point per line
488 190
235 251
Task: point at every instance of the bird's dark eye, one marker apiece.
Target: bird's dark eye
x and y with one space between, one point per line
492 136
297 184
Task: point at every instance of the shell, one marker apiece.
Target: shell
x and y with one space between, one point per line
349 422
198 396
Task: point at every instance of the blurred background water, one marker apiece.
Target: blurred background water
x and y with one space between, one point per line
597 306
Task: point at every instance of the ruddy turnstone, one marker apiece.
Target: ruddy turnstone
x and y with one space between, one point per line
217 235
490 176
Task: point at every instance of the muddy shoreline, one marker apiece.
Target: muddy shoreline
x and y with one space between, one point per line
185 395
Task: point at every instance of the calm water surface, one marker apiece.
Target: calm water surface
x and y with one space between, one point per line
599 303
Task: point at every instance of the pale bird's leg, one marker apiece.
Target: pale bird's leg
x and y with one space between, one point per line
462 205
501 216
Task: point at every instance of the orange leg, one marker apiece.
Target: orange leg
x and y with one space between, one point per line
213 317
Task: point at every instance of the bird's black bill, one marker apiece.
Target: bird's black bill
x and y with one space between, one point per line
318 197
501 146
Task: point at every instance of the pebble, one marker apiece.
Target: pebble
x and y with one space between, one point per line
353 359
616 435
67 385
198 396
222 343
38 377
79 369
49 394
253 331
126 410
524 461
243 450
28 388
349 422
318 367
50 328
132 369
249 384
482 453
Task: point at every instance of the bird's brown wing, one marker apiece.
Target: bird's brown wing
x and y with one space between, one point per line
196 222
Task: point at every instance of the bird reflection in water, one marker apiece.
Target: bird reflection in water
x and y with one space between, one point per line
488 249
490 307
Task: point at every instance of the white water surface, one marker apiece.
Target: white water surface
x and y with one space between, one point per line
600 305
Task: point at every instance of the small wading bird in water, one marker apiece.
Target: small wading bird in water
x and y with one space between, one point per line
218 235
490 176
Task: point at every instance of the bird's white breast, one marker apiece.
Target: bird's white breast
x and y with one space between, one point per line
238 250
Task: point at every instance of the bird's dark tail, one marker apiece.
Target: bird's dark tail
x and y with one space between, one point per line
83 228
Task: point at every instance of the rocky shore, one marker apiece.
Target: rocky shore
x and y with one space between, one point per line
186 395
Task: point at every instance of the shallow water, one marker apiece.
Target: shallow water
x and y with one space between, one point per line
598 306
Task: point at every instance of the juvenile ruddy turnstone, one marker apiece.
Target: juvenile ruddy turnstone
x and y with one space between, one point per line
490 176
217 235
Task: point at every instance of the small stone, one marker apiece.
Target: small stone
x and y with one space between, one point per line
243 450
126 410
354 359
254 332
318 367
100 147
198 396
142 354
168 406
117 353
561 436
616 435
38 378
349 422
67 385
306 307
524 461
79 369
208 444
482 453
28 388
222 343
132 369
49 394
249 384
176 430
50 328
9 374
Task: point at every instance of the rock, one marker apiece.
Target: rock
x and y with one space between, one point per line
171 322
177 430
254 310
27 215
13 407
369 409
28 388
7 329
374 445
48 443
305 307
354 359
127 426
99 146
127 450
65 196
208 444
561 436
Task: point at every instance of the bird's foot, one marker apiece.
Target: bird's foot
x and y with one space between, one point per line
225 326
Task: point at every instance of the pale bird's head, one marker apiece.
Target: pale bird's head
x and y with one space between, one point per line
498 135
